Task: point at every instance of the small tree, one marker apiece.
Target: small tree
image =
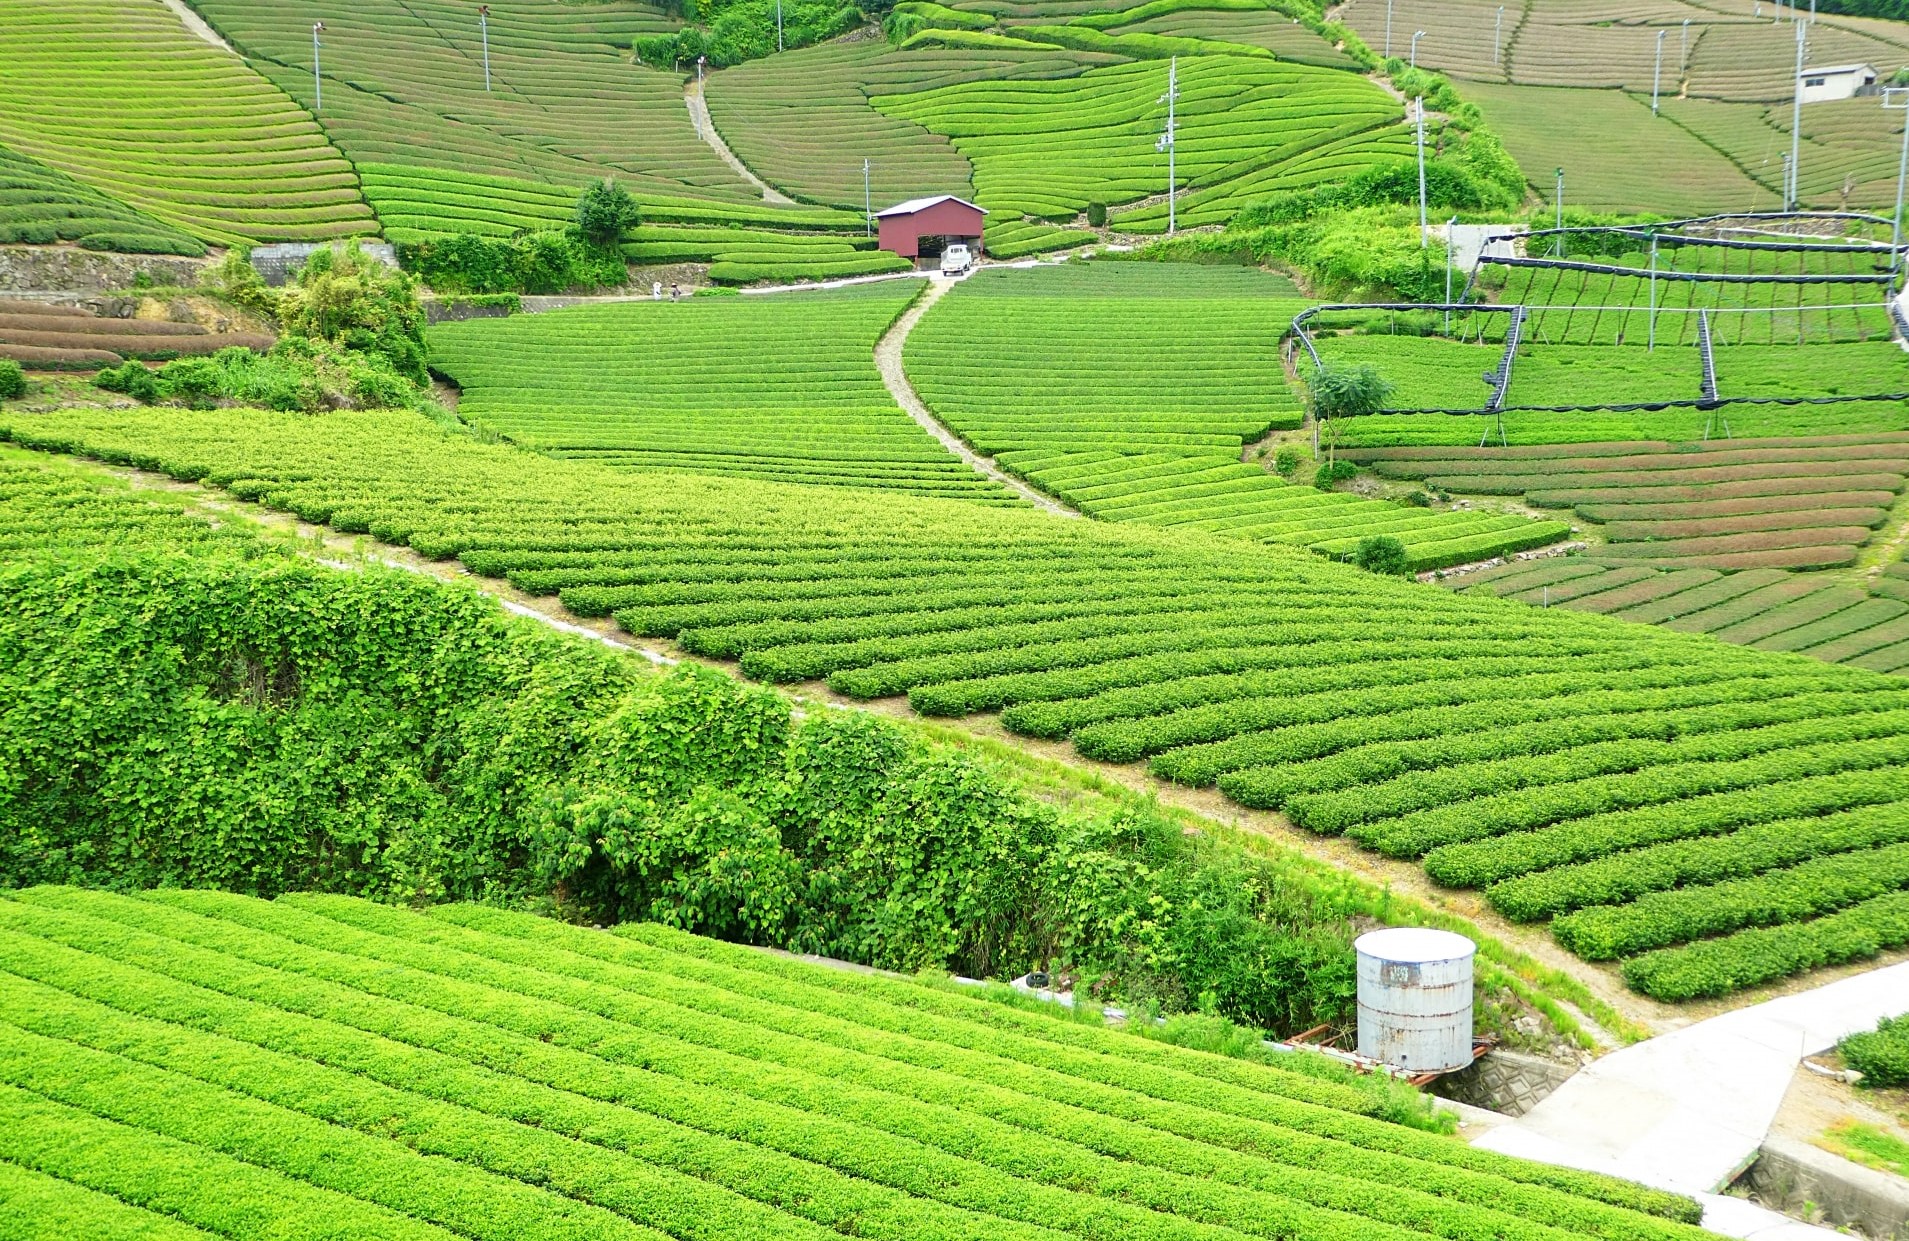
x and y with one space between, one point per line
604 210
13 381
1349 391
1381 553
1345 392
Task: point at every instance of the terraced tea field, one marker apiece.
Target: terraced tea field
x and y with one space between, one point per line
651 385
39 205
1731 52
1727 504
1044 148
1186 371
803 120
1704 538
1435 373
46 337
404 86
1491 739
187 1061
1564 82
122 97
1846 299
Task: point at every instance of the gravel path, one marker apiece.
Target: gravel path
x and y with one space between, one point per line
699 113
888 361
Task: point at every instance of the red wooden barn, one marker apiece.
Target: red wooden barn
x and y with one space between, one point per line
922 228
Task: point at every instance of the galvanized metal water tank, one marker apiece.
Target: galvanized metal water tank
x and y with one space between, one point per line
1415 998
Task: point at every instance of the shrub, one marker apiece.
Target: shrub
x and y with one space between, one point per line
535 263
345 296
604 210
1287 460
1332 473
1096 213
1382 554
1880 1055
13 380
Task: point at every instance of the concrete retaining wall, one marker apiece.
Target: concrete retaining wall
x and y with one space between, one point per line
1788 1174
279 263
1504 1081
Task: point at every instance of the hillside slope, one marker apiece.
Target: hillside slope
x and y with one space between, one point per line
323 1066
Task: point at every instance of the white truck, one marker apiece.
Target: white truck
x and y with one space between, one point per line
956 259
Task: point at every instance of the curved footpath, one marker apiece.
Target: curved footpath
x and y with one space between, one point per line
1687 1111
699 114
888 352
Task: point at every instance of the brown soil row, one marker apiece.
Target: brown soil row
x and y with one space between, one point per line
92 326
1754 523
1567 497
132 344
1701 509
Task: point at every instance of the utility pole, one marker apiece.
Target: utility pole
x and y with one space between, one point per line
778 25
484 31
1424 235
1657 72
1450 226
1416 36
318 79
1683 49
1388 29
1557 198
1497 30
1796 125
1902 172
868 205
1166 142
1651 344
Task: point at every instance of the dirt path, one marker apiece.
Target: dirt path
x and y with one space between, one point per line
699 113
888 361
197 25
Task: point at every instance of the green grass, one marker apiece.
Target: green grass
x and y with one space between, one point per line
658 386
1491 739
1044 149
39 204
125 99
192 1060
1868 1145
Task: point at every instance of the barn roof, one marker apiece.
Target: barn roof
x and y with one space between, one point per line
922 204
1813 71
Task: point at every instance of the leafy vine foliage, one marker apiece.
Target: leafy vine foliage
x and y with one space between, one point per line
265 725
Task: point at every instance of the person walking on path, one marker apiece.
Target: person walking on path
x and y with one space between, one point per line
656 290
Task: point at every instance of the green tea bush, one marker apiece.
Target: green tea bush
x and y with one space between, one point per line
13 380
1880 1055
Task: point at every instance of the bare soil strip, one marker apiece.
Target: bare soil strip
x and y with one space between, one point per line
888 361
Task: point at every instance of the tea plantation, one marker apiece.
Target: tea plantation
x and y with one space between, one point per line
125 99
1495 742
1186 371
660 386
194 1063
